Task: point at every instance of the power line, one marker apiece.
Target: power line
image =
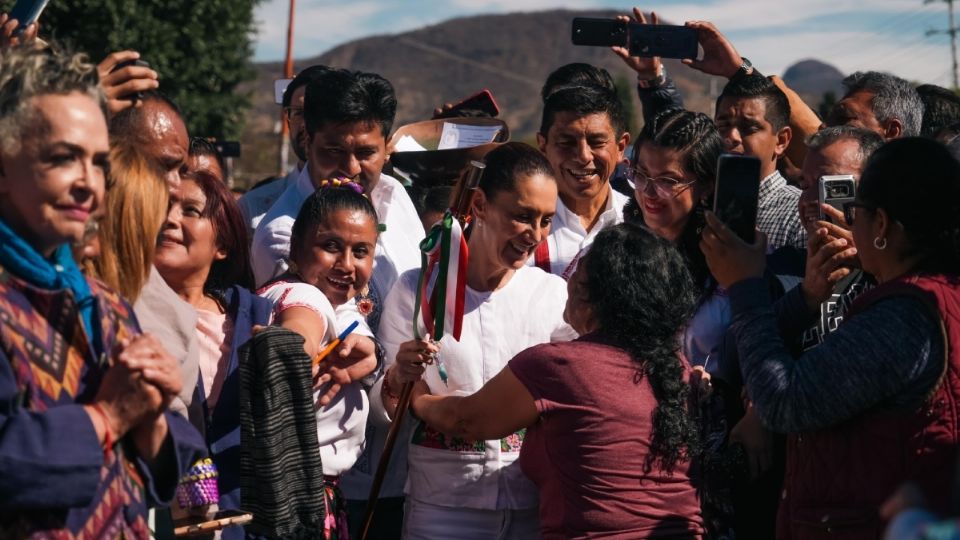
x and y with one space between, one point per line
952 31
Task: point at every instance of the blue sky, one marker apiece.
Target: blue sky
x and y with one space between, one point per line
885 35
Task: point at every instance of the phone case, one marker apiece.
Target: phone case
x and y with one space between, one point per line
26 12
663 40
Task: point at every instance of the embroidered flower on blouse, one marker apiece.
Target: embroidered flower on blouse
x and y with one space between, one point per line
365 306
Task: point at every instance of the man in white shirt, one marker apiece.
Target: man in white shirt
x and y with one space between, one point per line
348 117
257 202
583 134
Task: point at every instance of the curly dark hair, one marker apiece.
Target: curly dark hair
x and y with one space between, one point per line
695 137
643 295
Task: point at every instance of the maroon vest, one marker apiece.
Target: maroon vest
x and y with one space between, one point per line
837 478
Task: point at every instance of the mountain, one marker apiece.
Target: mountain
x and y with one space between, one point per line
509 54
812 79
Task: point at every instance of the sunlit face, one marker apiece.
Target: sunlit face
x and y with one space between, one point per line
52 185
578 312
841 157
352 150
583 152
515 222
337 255
164 140
666 216
856 110
187 245
745 130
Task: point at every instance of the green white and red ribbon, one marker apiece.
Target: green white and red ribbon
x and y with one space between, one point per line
444 253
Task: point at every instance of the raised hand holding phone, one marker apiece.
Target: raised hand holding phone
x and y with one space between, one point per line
647 68
123 76
720 57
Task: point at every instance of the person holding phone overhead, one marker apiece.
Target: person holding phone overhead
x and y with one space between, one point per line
87 442
883 385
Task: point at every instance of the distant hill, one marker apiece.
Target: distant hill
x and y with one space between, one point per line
812 79
510 54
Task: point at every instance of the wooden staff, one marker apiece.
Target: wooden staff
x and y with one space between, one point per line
462 199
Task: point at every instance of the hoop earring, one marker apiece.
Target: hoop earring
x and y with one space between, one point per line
880 243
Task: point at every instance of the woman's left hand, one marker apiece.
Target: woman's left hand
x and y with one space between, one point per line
730 259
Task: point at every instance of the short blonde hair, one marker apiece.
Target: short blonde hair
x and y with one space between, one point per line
135 209
37 69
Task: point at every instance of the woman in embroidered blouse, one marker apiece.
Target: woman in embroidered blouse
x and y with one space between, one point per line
202 254
609 435
332 247
80 378
467 488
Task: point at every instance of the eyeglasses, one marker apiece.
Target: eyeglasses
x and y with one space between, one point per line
664 186
293 113
849 211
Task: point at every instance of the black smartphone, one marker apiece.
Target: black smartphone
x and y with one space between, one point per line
645 40
203 525
26 12
736 194
836 191
481 101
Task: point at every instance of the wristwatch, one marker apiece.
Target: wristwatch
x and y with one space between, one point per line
655 82
746 68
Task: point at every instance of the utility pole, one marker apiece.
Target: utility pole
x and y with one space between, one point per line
287 74
952 30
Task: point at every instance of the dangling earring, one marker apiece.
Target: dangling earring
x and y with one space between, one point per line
365 303
880 243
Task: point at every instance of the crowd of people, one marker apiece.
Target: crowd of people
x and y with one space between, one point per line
627 366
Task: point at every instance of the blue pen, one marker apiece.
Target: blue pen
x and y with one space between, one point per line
333 344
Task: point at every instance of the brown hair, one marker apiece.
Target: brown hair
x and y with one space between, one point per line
135 208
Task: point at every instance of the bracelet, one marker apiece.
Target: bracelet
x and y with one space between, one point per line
107 435
386 389
656 82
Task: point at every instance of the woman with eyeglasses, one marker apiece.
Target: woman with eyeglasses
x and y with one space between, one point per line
877 403
674 164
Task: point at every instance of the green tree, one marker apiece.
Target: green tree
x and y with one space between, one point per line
200 49
626 91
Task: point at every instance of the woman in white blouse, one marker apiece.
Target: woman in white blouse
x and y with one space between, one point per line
474 489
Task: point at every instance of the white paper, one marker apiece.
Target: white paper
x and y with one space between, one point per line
466 136
408 144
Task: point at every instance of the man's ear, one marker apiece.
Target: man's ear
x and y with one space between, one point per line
783 140
893 129
622 144
542 142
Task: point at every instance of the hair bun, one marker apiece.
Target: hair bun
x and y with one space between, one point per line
341 182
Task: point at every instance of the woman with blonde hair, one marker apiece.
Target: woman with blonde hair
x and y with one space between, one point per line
135 209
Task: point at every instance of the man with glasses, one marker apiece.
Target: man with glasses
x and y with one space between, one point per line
257 202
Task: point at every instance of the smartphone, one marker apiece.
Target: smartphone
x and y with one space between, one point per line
201 525
138 63
645 40
26 12
481 101
279 88
736 194
836 191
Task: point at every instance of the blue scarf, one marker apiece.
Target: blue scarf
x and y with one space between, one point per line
61 272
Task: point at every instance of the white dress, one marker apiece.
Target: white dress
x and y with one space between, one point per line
497 325
341 424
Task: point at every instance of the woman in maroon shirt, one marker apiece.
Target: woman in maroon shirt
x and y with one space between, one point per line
610 437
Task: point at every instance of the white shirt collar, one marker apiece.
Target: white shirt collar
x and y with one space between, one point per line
612 213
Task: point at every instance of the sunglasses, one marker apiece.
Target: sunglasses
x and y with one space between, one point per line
850 210
664 186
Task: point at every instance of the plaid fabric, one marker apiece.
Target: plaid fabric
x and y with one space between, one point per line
778 215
